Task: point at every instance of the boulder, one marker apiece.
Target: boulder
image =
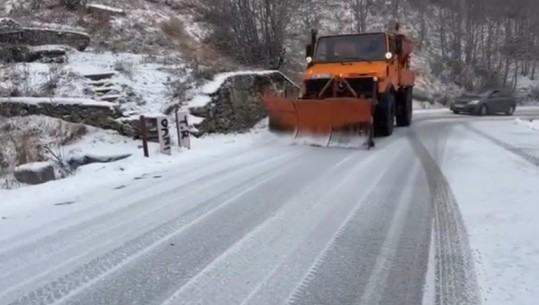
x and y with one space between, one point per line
13 33
35 173
237 105
48 54
9 25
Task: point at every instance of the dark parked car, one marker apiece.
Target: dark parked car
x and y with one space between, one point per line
490 102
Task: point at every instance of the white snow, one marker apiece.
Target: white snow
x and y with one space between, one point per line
200 101
56 100
143 80
218 81
202 95
213 86
92 178
497 193
106 8
34 166
50 47
531 124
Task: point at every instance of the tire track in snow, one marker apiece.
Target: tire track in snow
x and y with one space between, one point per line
456 281
377 284
138 246
243 269
511 148
151 188
143 250
79 233
76 256
346 269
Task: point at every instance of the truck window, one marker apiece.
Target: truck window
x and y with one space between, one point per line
392 45
361 47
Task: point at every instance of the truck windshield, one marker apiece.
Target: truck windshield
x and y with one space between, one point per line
351 48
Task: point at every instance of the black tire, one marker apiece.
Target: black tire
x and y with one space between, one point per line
384 115
404 107
511 110
456 111
483 110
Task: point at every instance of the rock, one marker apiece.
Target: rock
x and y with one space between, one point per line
14 52
13 33
35 173
237 105
48 54
9 25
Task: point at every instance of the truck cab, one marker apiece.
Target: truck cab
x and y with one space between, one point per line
375 65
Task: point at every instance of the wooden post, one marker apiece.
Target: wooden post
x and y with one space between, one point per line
178 129
144 136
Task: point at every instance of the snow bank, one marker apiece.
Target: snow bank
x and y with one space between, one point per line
213 86
50 47
96 177
106 8
501 220
199 101
57 101
34 166
532 124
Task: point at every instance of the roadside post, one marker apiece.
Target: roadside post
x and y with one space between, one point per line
144 136
164 135
183 129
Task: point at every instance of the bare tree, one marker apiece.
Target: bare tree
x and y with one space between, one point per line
252 31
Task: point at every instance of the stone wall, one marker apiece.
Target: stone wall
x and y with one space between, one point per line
13 33
38 37
237 106
102 116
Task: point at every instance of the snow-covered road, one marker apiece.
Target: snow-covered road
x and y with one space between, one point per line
421 218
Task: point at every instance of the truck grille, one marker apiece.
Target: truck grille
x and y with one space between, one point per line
362 86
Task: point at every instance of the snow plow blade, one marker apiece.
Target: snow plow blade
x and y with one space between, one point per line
331 121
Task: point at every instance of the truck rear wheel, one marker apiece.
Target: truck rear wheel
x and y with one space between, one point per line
404 107
384 115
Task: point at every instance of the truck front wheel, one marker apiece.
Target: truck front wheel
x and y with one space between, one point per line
384 115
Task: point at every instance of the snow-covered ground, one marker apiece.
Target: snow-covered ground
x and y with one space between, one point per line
142 82
21 202
497 191
531 124
270 229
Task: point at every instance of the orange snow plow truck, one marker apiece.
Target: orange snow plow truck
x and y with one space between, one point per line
355 87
